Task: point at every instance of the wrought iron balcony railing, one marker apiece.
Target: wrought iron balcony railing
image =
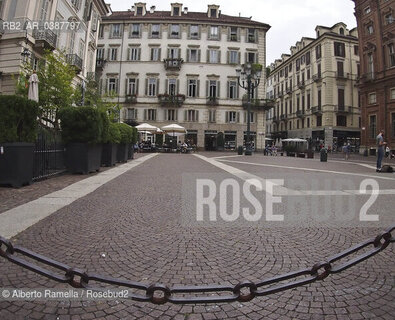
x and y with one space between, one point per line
343 109
300 113
131 99
166 100
100 64
45 38
75 61
316 110
173 64
212 101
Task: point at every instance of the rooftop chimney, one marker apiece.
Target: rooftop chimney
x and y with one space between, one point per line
185 10
152 9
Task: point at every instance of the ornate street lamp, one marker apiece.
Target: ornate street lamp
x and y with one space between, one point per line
248 78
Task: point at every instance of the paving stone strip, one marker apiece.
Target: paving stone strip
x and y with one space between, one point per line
20 218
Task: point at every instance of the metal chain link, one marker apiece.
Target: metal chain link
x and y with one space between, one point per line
159 294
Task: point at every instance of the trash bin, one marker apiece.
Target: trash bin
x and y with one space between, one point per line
323 155
240 150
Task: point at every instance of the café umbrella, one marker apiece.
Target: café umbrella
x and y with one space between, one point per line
33 87
146 128
174 130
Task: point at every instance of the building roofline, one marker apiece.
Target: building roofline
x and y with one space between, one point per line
189 17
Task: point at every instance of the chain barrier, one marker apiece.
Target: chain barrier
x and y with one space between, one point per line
159 294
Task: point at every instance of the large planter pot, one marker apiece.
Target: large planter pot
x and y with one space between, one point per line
109 154
16 163
130 151
83 158
122 153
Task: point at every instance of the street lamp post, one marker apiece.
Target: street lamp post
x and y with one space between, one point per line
248 78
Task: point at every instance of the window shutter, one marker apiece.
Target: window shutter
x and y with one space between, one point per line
218 89
229 28
138 53
157 87
228 57
128 56
168 53
169 31
176 115
160 31
145 114
199 32
238 34
197 115
237 91
219 56
137 87
199 55
198 89
256 35
178 86
246 57
227 116
160 54
150 31
166 86
188 54
189 32
238 58
207 89
146 88
126 86
238 117
186 115
228 89
208 56
219 33
256 57
106 88
117 86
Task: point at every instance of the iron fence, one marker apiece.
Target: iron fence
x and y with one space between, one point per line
48 154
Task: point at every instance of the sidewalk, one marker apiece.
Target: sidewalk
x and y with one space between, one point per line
14 197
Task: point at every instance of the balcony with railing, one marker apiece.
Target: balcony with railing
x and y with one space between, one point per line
343 109
131 99
264 104
300 113
173 64
301 85
100 64
45 38
75 61
212 101
166 100
316 110
317 77
341 76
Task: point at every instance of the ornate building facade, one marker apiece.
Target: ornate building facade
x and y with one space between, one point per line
178 66
376 29
315 89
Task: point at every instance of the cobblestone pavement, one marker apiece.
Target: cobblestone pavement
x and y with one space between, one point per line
135 220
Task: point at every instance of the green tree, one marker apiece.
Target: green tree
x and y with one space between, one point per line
55 87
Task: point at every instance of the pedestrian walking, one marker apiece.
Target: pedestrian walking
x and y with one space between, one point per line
380 149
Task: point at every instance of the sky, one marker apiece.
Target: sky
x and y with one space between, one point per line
290 20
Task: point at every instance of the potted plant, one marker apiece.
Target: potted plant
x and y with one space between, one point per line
82 132
109 152
18 131
126 139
